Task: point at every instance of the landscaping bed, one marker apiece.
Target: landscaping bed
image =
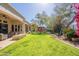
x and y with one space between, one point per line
74 40
17 37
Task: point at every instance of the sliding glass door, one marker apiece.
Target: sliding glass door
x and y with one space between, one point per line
3 28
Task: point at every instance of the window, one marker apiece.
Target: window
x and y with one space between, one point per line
4 16
12 28
16 28
3 28
21 28
4 21
0 20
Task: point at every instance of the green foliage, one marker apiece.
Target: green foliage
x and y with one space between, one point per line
1 36
44 19
33 27
66 30
70 34
38 33
58 29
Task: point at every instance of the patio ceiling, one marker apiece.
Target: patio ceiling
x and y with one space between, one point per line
12 16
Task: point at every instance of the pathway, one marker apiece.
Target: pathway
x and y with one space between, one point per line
9 41
5 43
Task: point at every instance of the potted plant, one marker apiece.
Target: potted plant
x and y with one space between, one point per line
1 38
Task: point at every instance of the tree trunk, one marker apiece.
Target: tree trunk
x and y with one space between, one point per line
70 22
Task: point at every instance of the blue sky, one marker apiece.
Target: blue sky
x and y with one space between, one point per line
29 10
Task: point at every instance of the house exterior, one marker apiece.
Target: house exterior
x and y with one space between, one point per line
41 28
11 21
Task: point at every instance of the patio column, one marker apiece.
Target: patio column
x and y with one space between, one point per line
23 28
28 28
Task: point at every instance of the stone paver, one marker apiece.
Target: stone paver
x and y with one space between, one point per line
5 43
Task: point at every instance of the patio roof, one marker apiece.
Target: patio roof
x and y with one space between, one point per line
12 12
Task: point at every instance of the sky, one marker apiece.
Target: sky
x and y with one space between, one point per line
29 10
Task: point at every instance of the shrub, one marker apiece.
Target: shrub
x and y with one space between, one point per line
70 34
35 33
1 37
66 30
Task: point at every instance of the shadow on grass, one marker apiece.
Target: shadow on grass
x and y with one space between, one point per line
39 33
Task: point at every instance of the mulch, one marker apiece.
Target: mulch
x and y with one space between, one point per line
62 38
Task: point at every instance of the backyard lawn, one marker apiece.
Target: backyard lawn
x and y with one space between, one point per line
39 45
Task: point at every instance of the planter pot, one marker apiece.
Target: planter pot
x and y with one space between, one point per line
1 37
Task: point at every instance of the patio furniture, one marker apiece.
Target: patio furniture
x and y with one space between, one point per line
10 34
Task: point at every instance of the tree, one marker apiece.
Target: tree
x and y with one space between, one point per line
63 13
34 25
42 18
64 10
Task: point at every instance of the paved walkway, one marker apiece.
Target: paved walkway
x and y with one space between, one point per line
9 41
5 43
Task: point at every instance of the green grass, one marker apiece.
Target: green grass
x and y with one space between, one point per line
39 45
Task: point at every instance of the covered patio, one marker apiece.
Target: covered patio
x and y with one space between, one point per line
11 25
